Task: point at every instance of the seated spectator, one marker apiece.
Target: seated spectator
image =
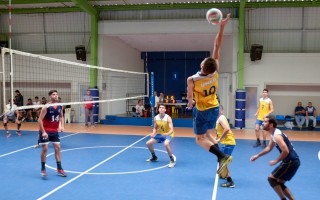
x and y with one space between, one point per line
43 101
36 111
311 114
139 109
300 115
29 111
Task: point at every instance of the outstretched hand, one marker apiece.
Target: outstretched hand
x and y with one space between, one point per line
225 20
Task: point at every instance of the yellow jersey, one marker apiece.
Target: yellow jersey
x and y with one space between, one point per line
162 124
205 88
227 139
264 107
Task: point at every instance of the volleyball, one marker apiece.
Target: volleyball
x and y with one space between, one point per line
214 16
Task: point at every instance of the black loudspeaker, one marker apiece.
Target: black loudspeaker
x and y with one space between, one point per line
81 53
256 52
4 44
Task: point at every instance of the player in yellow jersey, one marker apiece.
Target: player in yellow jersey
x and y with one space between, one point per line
227 143
265 108
202 87
162 132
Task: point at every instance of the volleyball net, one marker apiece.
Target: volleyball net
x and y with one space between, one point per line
35 75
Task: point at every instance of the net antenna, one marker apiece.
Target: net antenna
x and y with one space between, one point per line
35 75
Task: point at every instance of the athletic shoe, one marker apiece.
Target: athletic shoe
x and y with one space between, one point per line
87 125
18 133
152 159
224 163
8 134
61 173
228 184
44 173
257 144
172 164
264 145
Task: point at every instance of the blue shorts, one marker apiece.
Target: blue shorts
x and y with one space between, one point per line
286 170
259 122
227 149
205 120
160 138
52 137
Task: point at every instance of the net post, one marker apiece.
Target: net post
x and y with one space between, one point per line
152 99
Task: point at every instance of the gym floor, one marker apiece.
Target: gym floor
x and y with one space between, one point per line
108 162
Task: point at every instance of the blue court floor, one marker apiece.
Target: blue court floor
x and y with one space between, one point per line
113 167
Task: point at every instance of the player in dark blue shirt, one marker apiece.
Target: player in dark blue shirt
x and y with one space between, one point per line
288 158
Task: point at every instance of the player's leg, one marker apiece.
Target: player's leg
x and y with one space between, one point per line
86 115
276 186
166 144
18 121
43 156
5 125
150 144
264 134
227 149
91 116
257 131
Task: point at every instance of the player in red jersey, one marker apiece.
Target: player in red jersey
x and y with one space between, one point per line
49 119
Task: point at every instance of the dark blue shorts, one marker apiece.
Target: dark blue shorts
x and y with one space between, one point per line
52 137
205 120
160 138
227 149
286 170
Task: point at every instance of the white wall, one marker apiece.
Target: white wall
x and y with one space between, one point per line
114 53
291 77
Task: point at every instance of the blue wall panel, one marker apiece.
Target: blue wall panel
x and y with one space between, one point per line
171 69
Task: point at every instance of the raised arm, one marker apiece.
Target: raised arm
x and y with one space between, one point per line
218 40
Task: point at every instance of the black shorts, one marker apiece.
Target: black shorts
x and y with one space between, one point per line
286 170
52 137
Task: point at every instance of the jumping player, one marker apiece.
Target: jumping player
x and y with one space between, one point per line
202 87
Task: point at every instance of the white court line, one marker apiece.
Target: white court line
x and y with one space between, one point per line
215 186
16 151
83 173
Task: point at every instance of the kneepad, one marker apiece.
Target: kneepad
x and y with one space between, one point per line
273 182
283 187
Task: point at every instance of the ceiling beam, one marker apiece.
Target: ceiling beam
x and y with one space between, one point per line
33 2
166 6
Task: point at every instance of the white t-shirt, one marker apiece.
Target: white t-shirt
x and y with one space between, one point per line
11 112
156 101
140 109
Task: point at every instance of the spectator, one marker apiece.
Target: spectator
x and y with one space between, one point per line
311 114
88 108
139 109
19 102
161 97
29 111
43 101
300 113
156 101
19 98
36 111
